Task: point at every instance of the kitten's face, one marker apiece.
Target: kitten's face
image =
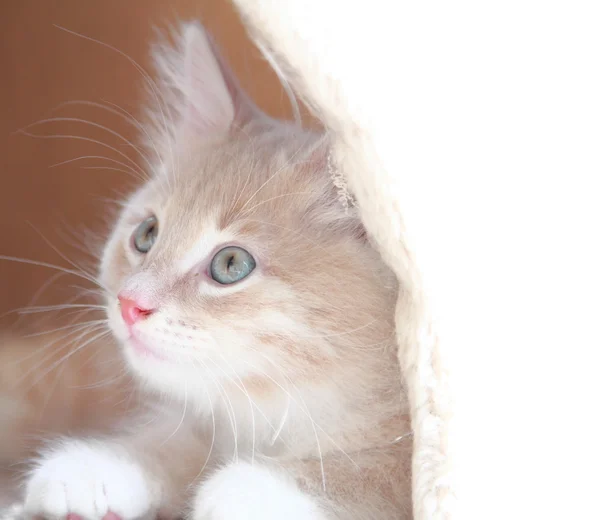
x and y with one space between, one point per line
235 264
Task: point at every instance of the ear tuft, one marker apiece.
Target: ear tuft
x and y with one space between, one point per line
210 105
194 84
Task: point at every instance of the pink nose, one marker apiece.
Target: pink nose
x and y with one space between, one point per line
132 311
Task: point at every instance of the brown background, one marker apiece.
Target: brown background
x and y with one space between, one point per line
42 67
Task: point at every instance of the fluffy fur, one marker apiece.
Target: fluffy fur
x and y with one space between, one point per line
346 76
278 396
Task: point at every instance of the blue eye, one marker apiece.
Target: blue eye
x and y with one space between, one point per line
231 264
145 234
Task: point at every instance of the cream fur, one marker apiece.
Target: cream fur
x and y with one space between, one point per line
280 395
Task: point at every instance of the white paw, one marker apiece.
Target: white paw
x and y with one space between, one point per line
243 491
90 480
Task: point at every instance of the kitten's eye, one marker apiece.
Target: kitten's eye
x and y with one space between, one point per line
231 264
145 234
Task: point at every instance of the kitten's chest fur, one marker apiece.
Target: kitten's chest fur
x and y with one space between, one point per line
297 426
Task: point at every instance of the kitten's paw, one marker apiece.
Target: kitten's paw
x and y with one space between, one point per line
90 481
243 491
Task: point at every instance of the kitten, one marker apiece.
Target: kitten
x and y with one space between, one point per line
249 303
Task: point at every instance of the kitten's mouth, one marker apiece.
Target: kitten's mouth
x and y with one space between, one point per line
144 350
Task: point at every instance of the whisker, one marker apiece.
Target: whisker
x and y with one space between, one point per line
318 442
141 174
281 422
49 391
45 358
277 172
86 241
51 266
230 412
245 391
241 191
36 295
151 84
57 251
129 169
185 401
249 210
294 231
106 168
94 125
306 410
139 126
337 334
212 442
107 382
67 356
36 352
59 307
302 407
118 111
44 286
96 293
64 327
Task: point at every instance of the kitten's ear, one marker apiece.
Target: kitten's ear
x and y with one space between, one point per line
208 103
204 90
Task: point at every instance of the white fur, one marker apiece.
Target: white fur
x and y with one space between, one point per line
253 492
90 479
13 512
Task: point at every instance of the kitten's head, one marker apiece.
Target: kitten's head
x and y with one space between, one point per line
236 262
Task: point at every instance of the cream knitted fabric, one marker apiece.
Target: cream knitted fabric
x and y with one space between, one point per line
320 46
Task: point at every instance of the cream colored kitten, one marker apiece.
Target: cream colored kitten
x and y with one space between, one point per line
249 303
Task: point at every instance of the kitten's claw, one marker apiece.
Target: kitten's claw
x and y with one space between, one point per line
82 481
